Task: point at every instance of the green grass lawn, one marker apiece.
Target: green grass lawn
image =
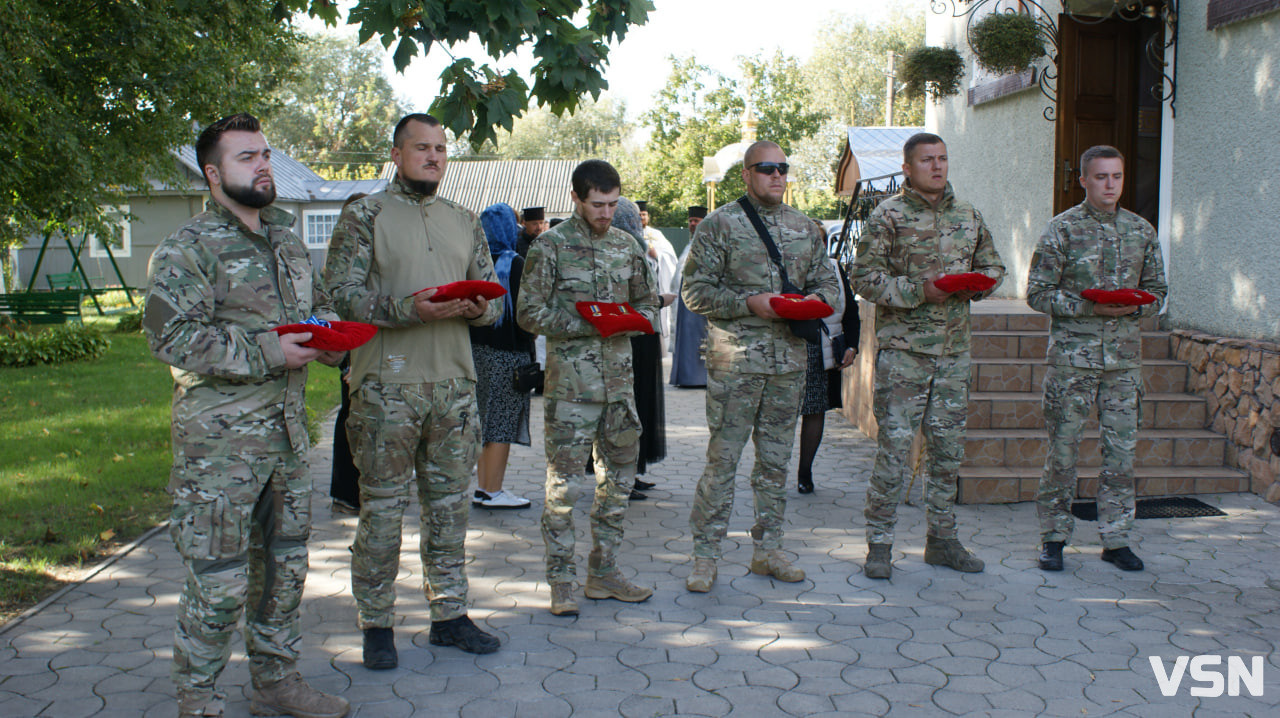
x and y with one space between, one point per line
84 461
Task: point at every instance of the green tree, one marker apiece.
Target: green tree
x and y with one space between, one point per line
698 112
596 129
568 38
337 115
846 73
94 93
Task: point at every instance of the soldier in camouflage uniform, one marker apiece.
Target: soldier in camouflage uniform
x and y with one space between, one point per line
1095 352
755 365
413 407
590 398
240 484
922 369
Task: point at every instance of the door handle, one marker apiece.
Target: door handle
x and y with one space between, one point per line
1066 176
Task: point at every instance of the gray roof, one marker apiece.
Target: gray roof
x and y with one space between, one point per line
476 184
879 149
294 181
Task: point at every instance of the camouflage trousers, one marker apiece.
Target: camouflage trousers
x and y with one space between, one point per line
1069 395
572 430
397 432
764 408
240 525
917 392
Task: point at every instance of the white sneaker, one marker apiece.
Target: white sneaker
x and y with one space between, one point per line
499 500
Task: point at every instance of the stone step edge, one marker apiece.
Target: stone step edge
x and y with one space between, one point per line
1038 395
1175 471
1023 434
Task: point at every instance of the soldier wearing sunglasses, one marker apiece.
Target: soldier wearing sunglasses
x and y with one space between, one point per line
755 365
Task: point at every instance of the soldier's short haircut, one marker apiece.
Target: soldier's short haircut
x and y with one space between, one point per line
1097 152
919 138
595 175
755 149
424 118
207 152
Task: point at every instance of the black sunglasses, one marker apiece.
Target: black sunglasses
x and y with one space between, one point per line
768 168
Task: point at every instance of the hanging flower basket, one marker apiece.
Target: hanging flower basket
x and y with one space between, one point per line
933 70
1006 42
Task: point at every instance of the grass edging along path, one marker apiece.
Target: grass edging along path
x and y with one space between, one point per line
84 461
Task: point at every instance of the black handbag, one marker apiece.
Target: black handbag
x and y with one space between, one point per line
528 377
810 330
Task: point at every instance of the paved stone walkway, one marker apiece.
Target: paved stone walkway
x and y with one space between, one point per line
1013 641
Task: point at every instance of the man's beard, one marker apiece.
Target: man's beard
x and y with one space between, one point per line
251 196
421 187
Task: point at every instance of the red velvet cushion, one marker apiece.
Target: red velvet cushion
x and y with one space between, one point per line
466 289
1133 297
337 337
794 306
967 282
609 318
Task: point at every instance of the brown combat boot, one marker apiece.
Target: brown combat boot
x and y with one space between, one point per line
200 704
949 553
775 563
879 561
562 602
613 585
292 696
703 576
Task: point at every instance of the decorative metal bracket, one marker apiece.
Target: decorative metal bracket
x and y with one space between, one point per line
1091 12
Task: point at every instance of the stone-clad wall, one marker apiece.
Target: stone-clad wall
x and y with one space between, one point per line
1240 380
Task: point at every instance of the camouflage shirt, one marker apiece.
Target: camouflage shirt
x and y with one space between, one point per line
728 263
568 265
1085 248
215 290
908 241
385 247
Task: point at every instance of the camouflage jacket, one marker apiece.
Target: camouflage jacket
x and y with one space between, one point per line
908 241
728 263
1085 248
385 247
215 290
568 265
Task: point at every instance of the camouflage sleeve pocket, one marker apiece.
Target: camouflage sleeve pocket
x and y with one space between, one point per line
206 529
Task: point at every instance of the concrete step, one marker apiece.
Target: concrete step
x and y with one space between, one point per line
1000 484
1028 321
1022 410
1155 447
1032 344
1160 376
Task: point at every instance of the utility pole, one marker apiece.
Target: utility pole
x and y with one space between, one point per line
890 76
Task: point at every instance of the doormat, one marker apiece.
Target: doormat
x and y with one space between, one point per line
1167 507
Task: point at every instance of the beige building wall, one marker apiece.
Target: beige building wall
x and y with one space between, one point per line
1224 233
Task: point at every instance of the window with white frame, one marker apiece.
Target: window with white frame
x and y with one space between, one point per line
122 243
319 226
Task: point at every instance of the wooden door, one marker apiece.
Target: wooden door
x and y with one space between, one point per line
1097 75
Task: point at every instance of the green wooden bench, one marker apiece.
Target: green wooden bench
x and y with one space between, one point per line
42 307
68 280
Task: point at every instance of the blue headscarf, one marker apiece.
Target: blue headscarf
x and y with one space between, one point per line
627 219
502 230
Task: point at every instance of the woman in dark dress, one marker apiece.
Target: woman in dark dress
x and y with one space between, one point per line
498 351
647 365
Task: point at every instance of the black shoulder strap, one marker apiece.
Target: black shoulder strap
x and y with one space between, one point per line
763 231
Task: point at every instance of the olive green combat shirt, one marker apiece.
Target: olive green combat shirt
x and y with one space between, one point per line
1087 248
568 265
385 247
728 263
215 290
908 241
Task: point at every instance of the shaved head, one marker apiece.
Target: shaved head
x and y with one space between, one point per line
755 149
